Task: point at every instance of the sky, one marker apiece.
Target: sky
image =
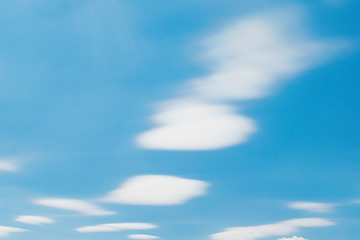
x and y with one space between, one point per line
196 120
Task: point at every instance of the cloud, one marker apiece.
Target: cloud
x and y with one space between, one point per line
6 231
81 206
8 166
247 60
37 220
142 236
157 190
312 206
190 125
293 238
270 230
115 227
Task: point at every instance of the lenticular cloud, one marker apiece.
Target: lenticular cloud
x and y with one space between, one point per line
247 60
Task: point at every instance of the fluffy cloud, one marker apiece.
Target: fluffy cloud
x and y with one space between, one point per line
293 238
8 166
6 231
157 190
191 125
270 230
246 60
37 220
116 227
312 206
142 236
81 206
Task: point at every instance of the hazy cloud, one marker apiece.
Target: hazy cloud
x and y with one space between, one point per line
115 227
270 230
6 231
157 190
293 238
312 206
8 166
36 220
81 206
142 236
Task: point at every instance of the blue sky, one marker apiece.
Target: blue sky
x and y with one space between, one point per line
220 120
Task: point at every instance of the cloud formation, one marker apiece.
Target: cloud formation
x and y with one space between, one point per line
312 206
142 236
157 190
246 60
8 166
116 227
293 238
270 230
36 220
81 206
6 231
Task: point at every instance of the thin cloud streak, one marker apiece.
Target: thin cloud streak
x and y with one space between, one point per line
116 227
35 220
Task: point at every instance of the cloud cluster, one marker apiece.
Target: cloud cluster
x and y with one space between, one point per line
246 60
6 231
270 230
156 190
36 220
81 206
312 206
116 227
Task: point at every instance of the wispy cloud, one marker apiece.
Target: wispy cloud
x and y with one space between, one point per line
270 230
36 220
116 227
6 231
81 206
142 236
157 190
313 206
246 60
293 238
8 166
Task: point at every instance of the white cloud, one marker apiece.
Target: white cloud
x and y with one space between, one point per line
81 206
157 190
312 206
270 230
37 220
293 238
246 60
6 231
115 227
8 166
142 236
190 125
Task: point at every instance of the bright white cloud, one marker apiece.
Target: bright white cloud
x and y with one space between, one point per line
116 227
246 60
157 190
270 230
142 236
312 206
36 220
6 231
190 125
293 238
81 206
8 166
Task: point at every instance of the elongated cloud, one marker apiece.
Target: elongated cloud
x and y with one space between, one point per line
246 60
8 166
6 231
270 230
81 206
116 227
36 220
142 236
293 238
157 190
312 206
